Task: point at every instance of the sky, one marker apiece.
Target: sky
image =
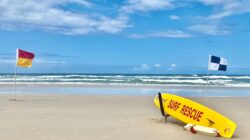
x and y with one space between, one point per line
125 36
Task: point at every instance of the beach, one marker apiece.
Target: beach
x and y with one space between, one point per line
104 117
96 69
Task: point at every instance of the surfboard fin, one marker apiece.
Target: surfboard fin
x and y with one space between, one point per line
162 108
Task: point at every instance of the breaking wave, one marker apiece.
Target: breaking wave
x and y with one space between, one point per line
176 80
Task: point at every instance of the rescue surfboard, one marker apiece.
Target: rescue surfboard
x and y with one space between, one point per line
191 112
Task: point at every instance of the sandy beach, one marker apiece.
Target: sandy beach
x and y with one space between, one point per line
91 69
104 117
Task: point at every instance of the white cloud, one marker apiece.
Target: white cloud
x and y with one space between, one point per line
35 61
157 65
83 2
165 34
174 17
145 5
113 25
46 61
49 16
8 61
210 29
227 7
39 61
213 2
143 67
137 36
173 65
172 34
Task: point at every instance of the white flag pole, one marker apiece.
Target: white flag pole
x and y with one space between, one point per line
207 83
16 67
15 78
207 77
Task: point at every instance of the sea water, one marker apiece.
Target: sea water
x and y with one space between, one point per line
130 84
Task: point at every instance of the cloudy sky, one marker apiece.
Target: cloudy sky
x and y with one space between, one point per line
125 36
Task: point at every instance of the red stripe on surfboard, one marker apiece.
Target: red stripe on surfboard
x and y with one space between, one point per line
25 54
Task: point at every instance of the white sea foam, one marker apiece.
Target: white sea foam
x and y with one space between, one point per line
218 77
199 81
238 85
241 77
181 80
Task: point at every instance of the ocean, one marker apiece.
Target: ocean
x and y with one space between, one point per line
129 79
128 84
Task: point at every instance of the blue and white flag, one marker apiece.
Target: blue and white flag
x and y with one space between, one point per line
217 63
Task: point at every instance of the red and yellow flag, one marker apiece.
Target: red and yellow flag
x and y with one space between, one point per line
24 58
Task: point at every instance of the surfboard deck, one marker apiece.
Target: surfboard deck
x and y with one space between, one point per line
188 111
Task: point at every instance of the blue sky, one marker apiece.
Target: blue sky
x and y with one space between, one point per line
125 36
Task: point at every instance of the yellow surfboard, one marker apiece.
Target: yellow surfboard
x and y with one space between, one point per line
191 112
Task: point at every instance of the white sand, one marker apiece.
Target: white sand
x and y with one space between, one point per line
99 117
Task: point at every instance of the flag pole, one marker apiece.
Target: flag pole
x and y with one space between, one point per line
207 83
207 78
16 67
15 77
